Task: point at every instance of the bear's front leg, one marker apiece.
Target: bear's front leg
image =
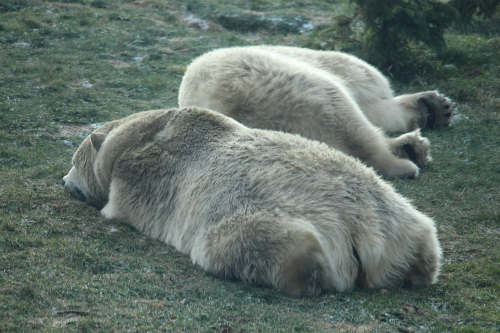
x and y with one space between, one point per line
413 147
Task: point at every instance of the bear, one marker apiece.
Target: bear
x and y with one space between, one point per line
269 208
327 96
373 94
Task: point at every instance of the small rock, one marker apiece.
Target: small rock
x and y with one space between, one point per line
21 44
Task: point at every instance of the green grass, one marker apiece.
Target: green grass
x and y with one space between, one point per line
63 267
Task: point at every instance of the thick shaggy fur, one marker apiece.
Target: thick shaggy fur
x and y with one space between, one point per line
373 94
327 96
266 207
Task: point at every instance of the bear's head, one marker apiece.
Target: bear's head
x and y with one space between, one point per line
81 180
93 163
90 177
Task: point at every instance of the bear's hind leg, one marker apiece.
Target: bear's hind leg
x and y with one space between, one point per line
303 274
423 272
425 269
265 249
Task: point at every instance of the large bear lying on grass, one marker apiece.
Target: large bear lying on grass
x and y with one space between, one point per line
266 207
327 96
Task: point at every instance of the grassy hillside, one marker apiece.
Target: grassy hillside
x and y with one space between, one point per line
69 65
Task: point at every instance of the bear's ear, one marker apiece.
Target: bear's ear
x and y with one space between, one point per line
97 139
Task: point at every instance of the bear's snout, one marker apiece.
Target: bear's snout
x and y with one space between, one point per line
75 192
73 188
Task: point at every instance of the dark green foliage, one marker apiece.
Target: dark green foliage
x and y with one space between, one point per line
467 9
390 27
14 5
253 23
396 36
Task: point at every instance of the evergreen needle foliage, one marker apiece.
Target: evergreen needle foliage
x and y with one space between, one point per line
390 26
468 8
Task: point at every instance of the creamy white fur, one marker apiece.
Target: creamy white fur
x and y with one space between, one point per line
266 207
327 96
372 91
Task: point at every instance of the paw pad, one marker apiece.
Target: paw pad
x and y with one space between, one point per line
439 109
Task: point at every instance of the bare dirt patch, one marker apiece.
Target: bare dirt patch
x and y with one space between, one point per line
73 130
495 231
85 84
345 327
118 63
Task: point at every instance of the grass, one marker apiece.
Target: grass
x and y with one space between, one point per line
68 64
